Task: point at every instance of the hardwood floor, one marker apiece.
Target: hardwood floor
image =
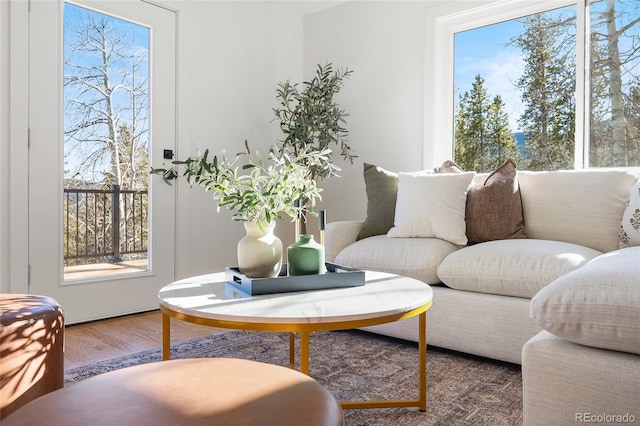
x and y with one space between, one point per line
101 340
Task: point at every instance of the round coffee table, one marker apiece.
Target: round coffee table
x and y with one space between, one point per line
384 298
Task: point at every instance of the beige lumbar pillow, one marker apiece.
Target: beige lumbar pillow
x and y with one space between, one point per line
431 206
596 305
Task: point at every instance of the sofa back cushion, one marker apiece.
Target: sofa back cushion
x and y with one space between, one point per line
582 207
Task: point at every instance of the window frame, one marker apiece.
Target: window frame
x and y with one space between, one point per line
442 25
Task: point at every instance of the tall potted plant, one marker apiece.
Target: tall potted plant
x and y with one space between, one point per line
312 120
260 192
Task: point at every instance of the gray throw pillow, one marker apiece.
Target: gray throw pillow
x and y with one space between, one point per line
382 190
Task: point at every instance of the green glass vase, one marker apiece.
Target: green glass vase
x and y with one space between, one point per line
305 257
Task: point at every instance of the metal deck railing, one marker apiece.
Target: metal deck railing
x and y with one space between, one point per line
104 224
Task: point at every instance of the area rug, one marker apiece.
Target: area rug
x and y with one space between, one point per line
461 389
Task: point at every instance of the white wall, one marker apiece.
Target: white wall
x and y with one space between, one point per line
4 148
231 57
389 45
13 146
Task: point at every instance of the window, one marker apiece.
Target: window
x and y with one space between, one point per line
554 87
106 141
614 101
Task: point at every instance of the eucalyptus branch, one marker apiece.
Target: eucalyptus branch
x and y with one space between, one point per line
256 190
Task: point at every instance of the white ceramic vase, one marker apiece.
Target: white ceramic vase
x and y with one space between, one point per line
260 253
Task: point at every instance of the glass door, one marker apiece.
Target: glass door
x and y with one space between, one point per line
102 108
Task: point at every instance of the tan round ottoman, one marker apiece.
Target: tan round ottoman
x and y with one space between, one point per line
207 391
31 349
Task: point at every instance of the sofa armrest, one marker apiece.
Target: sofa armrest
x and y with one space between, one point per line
338 235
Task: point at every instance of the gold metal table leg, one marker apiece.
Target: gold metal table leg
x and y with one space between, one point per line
422 347
166 337
421 402
292 350
304 352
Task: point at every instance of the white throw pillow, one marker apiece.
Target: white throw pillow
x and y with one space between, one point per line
596 305
432 205
630 227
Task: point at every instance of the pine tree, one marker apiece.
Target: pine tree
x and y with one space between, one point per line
503 144
470 127
482 137
547 86
632 112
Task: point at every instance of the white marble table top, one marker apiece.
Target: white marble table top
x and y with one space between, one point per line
208 296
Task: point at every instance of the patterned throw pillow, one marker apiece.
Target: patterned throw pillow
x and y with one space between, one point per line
630 227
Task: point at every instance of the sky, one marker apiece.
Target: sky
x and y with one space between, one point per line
488 51
136 40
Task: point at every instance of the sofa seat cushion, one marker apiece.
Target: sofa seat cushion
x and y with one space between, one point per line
517 268
597 305
412 257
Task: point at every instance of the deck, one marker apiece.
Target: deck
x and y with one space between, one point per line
102 269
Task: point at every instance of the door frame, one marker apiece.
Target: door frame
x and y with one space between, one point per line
18 222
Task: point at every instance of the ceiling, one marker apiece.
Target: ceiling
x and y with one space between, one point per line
307 7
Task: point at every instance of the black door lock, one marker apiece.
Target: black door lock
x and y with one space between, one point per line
167 154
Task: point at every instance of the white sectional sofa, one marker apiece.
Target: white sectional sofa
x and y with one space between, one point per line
483 292
585 366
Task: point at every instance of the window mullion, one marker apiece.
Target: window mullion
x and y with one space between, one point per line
583 78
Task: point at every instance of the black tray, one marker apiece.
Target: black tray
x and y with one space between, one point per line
336 276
